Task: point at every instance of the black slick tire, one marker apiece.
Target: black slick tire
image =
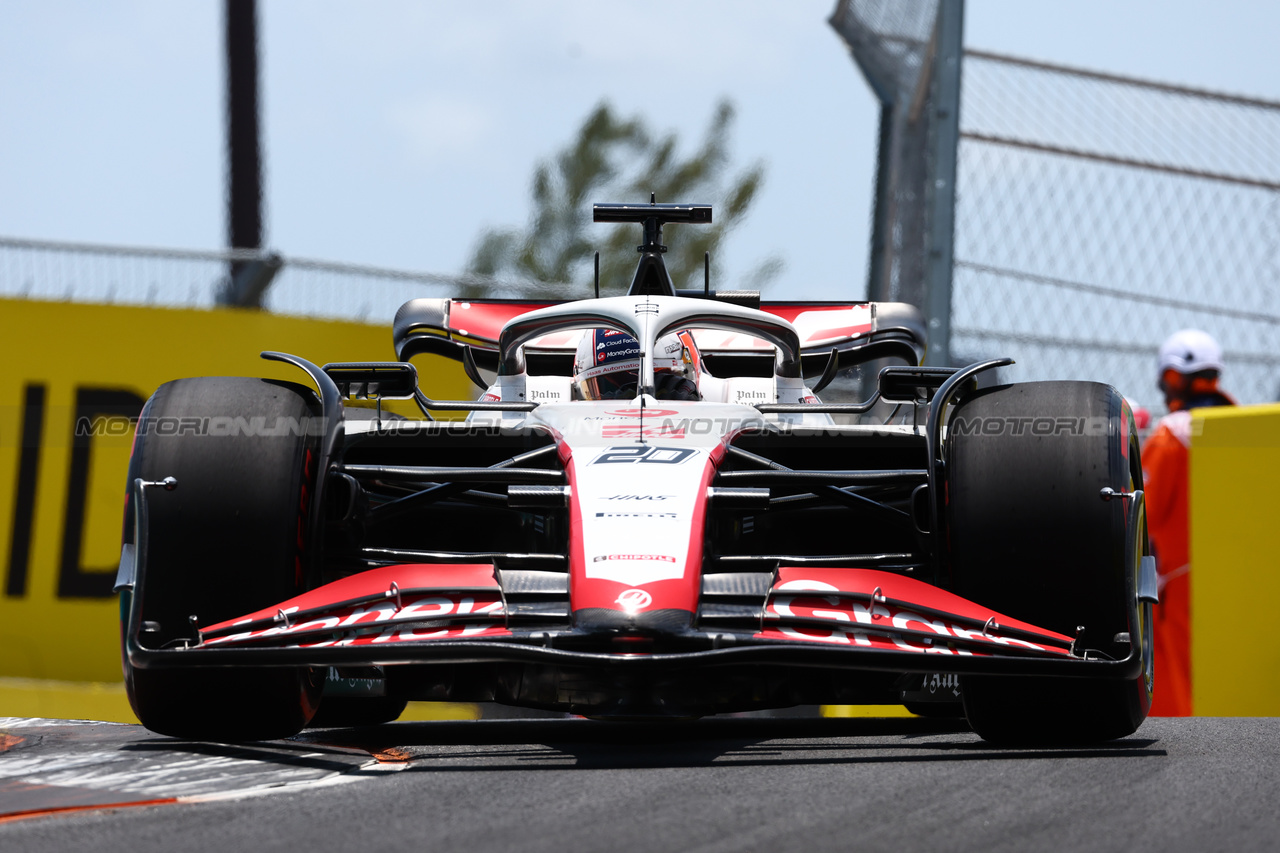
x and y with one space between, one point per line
230 539
1030 536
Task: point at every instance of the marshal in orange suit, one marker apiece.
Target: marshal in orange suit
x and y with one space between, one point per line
1190 364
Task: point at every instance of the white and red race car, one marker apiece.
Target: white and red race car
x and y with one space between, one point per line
649 512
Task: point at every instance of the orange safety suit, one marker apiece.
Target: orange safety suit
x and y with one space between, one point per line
1165 463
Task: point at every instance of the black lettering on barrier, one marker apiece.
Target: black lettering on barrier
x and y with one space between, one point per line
24 498
74 581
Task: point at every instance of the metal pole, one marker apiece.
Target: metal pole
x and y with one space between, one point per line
244 165
881 230
940 238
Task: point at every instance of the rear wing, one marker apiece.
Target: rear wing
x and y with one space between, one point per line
468 330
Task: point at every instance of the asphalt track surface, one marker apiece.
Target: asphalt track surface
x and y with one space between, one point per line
575 785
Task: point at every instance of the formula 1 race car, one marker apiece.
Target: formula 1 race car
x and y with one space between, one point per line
648 513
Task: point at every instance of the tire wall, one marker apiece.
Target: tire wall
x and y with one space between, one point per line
62 495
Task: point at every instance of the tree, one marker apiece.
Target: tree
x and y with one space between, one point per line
552 257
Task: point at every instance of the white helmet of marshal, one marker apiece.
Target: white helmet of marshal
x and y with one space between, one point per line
607 366
1190 351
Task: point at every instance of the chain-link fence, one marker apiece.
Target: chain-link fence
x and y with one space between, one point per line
1098 214
1094 216
39 269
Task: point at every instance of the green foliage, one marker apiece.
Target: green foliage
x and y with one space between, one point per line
619 160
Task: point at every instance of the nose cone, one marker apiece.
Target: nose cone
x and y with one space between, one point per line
602 620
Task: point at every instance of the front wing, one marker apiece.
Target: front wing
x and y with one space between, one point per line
473 613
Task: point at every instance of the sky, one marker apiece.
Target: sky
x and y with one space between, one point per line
396 131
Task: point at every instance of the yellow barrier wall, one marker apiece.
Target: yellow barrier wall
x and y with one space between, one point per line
61 503
1235 559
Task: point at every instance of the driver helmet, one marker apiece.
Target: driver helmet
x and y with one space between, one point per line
607 366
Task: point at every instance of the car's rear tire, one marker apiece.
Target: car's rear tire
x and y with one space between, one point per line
230 539
1030 536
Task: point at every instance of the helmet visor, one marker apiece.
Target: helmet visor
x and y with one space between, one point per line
618 385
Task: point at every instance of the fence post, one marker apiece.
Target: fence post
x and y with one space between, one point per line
244 147
941 190
249 281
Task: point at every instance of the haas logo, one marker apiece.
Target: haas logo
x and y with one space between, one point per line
633 600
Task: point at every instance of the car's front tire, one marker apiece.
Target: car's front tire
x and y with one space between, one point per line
1031 536
230 539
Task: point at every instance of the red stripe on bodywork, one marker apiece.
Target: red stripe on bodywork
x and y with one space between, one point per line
577 552
486 319
375 582
697 535
789 311
1125 413
835 333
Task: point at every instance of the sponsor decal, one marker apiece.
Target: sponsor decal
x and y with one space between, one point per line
618 353
643 455
633 600
637 412
408 633
637 431
635 514
535 394
352 619
942 682
647 558
638 497
855 622
607 369
742 394
489 398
